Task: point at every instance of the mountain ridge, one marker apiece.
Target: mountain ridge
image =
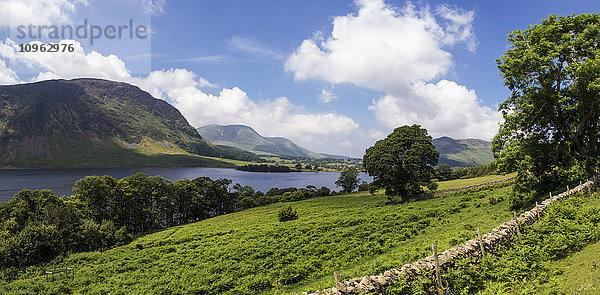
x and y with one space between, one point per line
463 152
246 138
95 123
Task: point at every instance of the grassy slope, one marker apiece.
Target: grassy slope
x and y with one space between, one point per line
96 123
473 157
249 250
458 183
580 272
112 154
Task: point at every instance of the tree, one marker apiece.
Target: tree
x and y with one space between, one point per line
97 192
403 162
550 133
443 172
348 179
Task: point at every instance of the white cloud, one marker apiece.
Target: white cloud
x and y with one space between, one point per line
277 117
7 76
459 25
401 52
37 12
373 134
203 83
347 143
376 48
452 110
327 95
154 6
52 65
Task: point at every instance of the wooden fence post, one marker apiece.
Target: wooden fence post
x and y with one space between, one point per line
551 200
517 223
568 192
481 243
537 211
437 266
336 276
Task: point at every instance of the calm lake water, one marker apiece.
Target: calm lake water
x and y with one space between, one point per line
61 180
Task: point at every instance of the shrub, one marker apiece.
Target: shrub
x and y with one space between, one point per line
122 237
323 191
33 245
287 213
364 186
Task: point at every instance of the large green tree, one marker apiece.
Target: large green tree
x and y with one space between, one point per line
550 130
348 179
402 163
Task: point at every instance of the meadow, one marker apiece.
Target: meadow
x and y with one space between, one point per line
249 251
557 255
458 183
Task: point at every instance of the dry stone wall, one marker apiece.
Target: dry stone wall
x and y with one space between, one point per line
491 242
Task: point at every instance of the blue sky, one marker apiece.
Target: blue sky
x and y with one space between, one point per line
332 75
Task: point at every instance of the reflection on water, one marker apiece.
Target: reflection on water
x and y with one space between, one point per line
61 180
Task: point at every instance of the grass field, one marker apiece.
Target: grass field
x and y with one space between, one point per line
556 255
248 251
580 273
458 183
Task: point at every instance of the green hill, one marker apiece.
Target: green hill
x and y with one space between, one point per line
97 123
250 250
246 138
463 152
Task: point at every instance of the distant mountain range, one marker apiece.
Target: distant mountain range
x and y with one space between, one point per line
463 152
454 152
247 139
100 123
97 123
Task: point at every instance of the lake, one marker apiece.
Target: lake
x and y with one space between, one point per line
61 181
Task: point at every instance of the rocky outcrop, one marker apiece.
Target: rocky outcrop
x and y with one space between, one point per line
500 235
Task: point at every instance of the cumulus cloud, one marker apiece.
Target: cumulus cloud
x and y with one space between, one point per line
277 117
373 134
52 65
452 110
400 52
36 12
7 76
183 89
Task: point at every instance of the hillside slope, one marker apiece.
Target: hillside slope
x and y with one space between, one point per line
245 138
463 152
250 250
92 122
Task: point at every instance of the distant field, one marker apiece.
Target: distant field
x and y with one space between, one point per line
458 183
248 251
